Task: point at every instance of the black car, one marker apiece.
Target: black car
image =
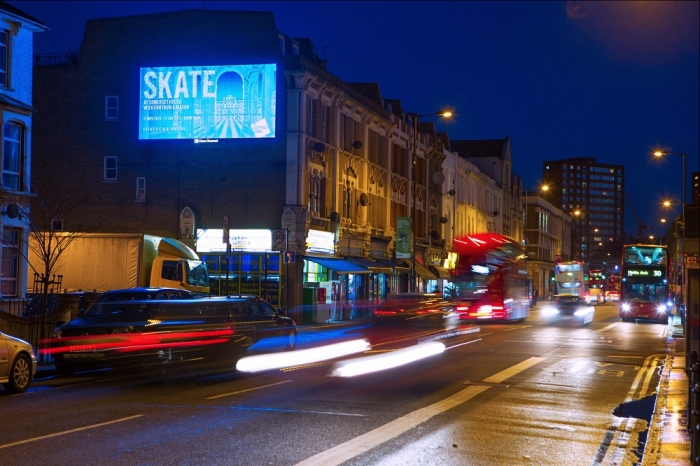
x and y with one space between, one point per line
142 293
415 309
569 306
148 331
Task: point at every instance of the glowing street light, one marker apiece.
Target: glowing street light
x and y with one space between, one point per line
416 116
660 153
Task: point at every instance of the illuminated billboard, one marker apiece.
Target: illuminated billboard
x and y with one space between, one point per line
208 102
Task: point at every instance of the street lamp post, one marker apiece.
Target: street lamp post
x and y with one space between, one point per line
414 218
659 153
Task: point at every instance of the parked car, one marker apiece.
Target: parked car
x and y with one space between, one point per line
644 310
141 293
147 332
17 363
416 309
613 296
567 306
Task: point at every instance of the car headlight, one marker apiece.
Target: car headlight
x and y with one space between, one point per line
625 307
549 310
661 308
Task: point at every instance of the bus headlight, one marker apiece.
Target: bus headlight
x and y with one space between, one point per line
625 307
661 308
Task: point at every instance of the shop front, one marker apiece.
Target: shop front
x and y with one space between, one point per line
248 267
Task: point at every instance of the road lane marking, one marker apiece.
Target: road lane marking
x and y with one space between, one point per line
352 448
613 325
246 390
621 436
65 432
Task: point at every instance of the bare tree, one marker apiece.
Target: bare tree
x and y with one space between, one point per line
46 238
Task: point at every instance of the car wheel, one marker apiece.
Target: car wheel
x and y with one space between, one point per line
20 375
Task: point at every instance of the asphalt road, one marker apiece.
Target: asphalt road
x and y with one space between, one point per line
521 393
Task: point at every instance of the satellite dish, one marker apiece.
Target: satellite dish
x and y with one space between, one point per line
335 217
495 213
443 219
364 200
319 147
438 177
357 144
435 235
451 192
12 210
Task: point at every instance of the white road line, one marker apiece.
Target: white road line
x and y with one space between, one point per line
7 445
348 450
608 327
246 390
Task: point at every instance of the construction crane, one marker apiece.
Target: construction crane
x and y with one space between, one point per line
640 226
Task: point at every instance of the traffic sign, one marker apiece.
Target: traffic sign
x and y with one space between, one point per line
279 240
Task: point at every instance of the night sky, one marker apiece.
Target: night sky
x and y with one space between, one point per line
610 80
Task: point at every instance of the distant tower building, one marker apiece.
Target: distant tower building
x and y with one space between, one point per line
593 194
695 190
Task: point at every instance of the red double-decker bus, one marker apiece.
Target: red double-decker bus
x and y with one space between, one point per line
489 278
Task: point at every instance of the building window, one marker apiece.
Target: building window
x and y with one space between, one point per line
140 188
326 124
10 261
12 156
111 107
295 49
4 58
110 168
282 45
311 116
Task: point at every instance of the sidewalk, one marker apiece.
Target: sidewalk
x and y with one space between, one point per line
668 440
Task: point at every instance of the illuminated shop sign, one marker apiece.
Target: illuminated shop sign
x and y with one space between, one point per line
320 241
242 240
655 273
207 103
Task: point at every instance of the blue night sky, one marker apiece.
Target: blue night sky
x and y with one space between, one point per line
610 80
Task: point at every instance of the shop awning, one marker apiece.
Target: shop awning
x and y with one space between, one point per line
337 265
370 264
440 272
421 270
396 265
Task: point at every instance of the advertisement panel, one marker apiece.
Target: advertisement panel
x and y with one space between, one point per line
403 238
207 102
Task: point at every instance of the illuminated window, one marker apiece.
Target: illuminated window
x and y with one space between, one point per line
141 189
12 156
110 168
4 58
111 107
10 261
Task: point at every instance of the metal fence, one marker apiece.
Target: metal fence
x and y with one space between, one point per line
35 316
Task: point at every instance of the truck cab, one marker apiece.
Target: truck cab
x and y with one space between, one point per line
178 266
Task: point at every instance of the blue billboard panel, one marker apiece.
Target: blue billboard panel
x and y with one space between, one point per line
208 102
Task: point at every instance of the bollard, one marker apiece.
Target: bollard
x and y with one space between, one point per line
693 379
690 359
693 419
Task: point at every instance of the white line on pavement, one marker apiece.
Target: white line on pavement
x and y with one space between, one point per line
345 451
20 442
246 390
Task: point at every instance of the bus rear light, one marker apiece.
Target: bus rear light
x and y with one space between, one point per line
379 312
